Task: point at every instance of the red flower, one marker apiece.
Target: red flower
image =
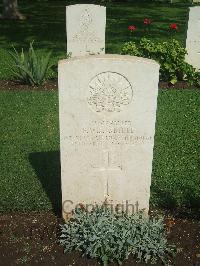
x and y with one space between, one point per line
173 26
147 21
132 28
82 206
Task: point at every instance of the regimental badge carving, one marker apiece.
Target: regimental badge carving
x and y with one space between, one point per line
85 20
86 33
109 92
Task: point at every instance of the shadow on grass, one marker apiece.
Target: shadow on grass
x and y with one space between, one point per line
166 201
47 168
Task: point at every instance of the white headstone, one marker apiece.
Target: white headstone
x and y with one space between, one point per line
193 37
107 107
86 26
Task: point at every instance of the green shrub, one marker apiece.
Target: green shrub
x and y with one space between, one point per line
30 67
171 57
103 235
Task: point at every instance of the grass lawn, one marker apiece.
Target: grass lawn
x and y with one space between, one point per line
45 25
29 158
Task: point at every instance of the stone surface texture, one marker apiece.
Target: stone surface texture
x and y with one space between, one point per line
107 109
193 37
86 26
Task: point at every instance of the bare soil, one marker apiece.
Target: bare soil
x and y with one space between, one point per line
53 85
32 239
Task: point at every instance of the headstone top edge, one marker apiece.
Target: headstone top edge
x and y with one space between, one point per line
111 57
194 7
86 5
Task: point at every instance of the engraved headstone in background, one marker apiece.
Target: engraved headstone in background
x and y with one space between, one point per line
86 26
107 107
193 37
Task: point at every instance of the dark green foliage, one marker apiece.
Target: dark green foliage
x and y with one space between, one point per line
102 235
30 67
171 57
46 25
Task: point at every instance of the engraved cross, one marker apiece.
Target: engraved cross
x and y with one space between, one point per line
110 161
